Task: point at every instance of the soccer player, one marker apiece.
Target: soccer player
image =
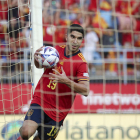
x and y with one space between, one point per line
56 89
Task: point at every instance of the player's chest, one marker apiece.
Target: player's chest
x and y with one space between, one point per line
69 66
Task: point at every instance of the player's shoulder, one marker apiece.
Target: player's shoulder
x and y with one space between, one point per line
60 46
81 57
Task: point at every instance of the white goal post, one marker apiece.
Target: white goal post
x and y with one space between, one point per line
37 35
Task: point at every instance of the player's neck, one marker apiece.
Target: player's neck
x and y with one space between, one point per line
69 52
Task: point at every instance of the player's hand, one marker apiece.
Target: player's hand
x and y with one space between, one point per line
57 77
37 52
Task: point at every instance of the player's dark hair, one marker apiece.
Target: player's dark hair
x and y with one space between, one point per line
76 27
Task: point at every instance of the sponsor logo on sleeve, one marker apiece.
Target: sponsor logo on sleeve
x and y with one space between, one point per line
85 74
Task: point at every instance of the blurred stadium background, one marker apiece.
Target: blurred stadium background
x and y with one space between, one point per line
112 27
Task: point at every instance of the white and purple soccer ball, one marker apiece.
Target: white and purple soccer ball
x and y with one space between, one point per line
49 57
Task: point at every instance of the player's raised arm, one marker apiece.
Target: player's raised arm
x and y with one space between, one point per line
36 57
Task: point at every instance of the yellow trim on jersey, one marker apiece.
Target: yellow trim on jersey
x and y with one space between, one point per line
83 79
82 57
63 46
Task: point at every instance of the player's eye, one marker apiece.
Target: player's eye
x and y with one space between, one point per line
72 36
80 38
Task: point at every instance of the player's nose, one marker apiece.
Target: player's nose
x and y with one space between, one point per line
75 40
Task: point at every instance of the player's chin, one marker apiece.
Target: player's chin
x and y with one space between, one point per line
74 48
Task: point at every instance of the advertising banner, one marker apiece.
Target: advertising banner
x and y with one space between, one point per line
103 98
100 127
109 98
82 127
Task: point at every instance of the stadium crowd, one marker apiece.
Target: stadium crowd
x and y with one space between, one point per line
111 26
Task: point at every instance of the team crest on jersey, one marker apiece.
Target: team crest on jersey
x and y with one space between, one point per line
63 46
30 112
62 62
82 57
58 69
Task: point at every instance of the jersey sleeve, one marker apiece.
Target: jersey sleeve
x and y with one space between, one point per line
82 72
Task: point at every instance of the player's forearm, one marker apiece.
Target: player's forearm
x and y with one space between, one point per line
77 87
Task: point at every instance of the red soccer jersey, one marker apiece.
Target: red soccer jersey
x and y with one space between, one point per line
56 99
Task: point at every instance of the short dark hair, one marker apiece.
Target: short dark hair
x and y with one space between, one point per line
76 27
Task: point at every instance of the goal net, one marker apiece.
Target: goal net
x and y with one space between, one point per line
111 47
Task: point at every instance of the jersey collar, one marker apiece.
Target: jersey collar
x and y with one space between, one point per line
68 56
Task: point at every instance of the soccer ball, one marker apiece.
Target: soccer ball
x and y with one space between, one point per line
49 57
